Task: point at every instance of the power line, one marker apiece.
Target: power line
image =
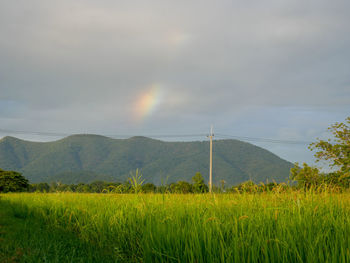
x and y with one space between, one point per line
256 139
60 134
56 134
164 135
159 136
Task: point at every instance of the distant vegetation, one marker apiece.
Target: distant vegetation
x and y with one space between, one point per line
135 184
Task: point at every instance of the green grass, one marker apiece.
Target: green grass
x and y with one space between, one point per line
267 227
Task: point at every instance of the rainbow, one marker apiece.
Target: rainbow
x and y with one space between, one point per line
147 102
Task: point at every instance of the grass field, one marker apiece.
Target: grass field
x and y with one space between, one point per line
265 227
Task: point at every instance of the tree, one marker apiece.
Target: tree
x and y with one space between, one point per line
11 181
97 186
307 176
199 185
40 187
149 188
336 151
182 187
81 188
247 187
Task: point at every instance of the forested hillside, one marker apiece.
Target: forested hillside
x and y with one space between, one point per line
86 158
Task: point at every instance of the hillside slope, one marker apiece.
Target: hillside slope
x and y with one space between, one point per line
85 158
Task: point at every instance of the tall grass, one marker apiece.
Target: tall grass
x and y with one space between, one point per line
265 227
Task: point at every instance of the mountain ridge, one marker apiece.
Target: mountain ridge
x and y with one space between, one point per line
104 158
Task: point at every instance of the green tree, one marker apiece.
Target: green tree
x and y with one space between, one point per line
247 187
81 188
337 151
306 176
40 187
149 188
11 181
97 186
199 185
182 187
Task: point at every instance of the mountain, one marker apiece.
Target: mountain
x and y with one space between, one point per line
86 158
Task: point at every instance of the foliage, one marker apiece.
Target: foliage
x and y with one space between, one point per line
136 181
83 188
306 176
338 151
247 187
199 185
181 187
149 188
341 180
40 187
252 188
11 181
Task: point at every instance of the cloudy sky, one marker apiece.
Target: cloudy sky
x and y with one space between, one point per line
267 69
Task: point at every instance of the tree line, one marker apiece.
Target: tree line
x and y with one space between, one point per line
12 181
17 183
135 184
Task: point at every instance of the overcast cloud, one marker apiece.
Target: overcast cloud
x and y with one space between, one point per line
274 69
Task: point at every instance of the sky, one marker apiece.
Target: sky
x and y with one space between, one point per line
264 69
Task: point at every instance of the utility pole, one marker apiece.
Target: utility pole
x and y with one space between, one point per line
211 160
